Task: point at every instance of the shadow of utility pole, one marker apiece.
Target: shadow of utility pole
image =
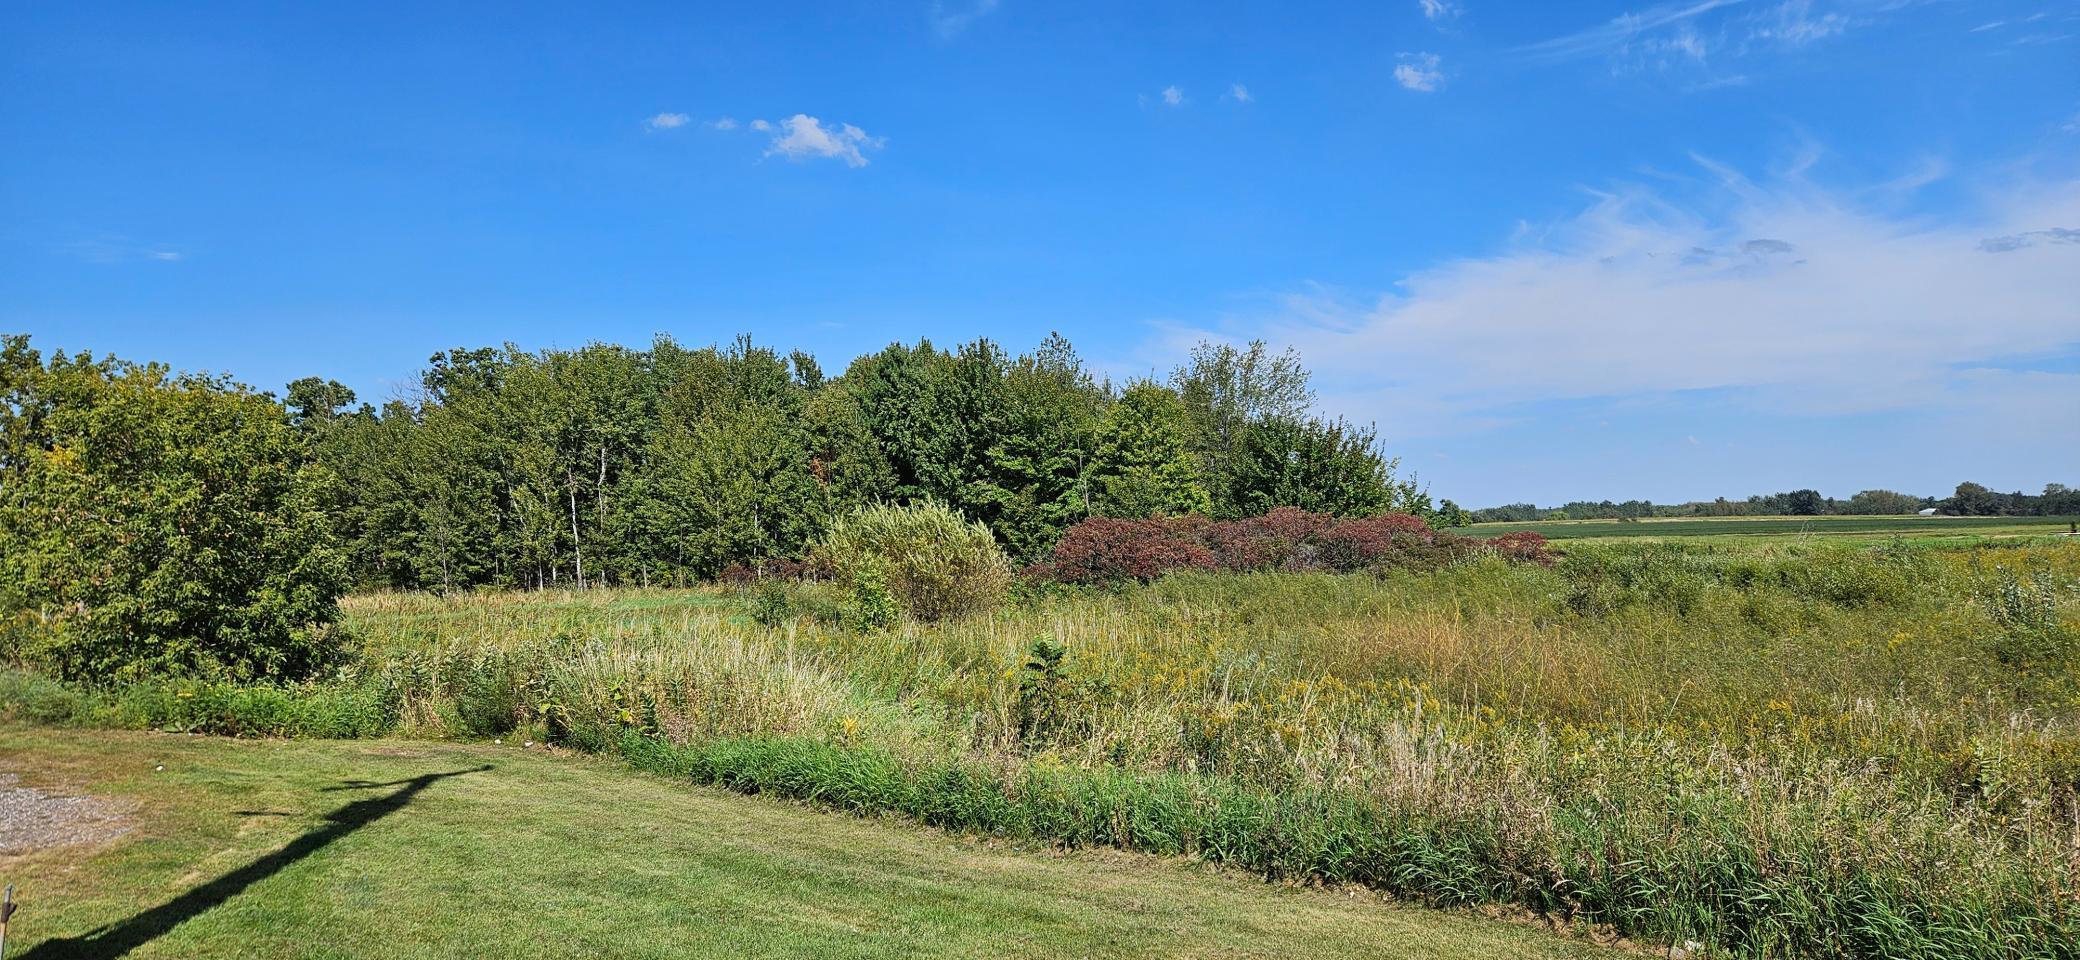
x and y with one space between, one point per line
117 939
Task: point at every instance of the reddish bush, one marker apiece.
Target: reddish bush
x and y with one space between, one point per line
1280 540
1288 538
1357 544
1101 550
1522 546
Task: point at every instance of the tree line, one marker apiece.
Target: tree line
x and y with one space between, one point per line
613 465
1968 500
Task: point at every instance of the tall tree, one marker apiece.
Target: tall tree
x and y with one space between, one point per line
1142 464
1226 389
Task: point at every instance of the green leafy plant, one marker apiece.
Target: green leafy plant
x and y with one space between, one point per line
1043 686
932 561
873 607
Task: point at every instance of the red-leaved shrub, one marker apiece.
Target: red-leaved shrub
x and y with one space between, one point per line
1283 539
1522 546
1364 542
1102 550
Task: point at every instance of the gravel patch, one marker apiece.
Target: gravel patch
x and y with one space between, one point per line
32 820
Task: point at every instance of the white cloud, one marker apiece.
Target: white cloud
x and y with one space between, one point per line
1239 93
725 124
668 121
1616 34
1439 9
761 126
1792 23
1173 96
1793 298
949 20
168 256
802 136
1418 71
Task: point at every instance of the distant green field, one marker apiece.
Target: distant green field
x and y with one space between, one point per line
1912 527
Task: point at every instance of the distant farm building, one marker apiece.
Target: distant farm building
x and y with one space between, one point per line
1928 511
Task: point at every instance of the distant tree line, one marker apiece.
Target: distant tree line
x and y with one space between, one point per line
1969 500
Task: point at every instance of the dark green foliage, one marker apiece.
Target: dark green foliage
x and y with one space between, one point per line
1043 687
772 605
159 524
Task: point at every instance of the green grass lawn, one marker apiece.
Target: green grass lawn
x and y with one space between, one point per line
1912 528
309 849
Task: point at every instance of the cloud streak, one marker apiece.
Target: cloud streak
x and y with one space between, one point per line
1611 36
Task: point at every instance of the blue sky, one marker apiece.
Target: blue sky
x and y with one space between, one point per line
1554 250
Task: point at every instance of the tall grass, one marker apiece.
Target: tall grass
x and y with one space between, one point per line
1822 751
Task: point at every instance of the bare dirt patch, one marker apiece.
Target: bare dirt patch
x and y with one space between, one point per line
33 820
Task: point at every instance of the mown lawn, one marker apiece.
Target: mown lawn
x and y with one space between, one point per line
295 849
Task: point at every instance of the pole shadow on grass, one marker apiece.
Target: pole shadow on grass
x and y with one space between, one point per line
117 939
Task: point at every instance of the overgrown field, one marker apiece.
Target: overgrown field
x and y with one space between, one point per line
1917 528
1777 750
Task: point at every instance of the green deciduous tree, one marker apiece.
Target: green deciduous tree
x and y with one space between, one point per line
153 523
1320 465
1142 462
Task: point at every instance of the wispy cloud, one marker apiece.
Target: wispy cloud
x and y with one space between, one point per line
1614 35
1793 23
115 248
667 121
1239 93
1794 297
948 20
2016 241
724 124
1436 10
803 137
1172 96
1419 72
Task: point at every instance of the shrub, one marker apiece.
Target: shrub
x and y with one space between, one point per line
873 607
1523 546
159 525
1104 550
772 606
1357 544
2026 611
1281 539
932 561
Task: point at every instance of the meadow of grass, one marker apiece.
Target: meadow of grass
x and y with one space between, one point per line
1868 528
1776 749
397 849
